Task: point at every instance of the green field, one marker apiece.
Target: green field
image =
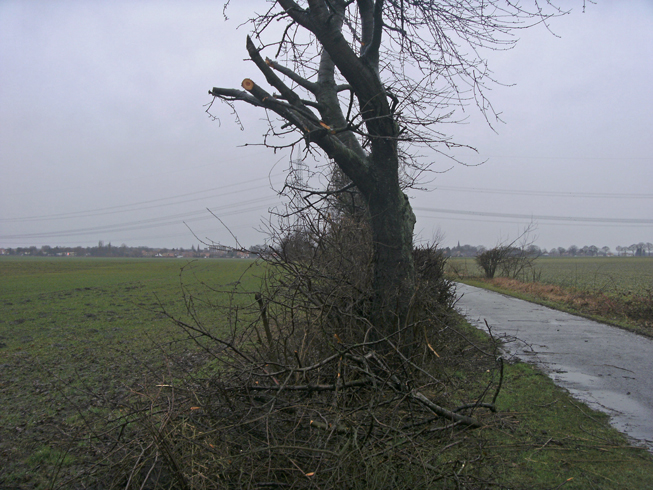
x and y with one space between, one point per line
77 335
612 275
75 332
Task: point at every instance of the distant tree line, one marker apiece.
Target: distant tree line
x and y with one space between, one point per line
109 250
640 249
101 250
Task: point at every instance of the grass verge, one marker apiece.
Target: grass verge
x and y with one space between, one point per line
540 437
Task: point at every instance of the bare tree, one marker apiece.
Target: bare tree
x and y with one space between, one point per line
490 260
361 81
513 259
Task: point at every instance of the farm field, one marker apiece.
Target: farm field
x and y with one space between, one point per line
612 275
608 274
77 334
614 289
76 331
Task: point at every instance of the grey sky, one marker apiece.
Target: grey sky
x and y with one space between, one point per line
103 134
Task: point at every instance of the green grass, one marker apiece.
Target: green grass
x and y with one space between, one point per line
544 439
612 275
75 332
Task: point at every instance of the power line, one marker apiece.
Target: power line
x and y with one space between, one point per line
596 195
141 205
632 221
533 157
177 169
458 219
189 217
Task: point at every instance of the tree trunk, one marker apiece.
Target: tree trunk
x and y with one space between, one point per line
392 222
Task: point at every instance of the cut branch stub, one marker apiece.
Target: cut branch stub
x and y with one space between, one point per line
248 84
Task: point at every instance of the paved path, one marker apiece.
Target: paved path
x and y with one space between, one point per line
608 368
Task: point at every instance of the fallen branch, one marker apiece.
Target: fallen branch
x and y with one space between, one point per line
312 387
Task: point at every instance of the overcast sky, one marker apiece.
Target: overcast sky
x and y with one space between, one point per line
103 134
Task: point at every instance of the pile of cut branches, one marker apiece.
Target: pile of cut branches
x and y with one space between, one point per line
353 418
296 392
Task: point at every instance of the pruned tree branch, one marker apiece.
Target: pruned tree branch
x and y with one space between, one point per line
271 77
310 86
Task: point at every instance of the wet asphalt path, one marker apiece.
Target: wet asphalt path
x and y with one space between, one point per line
608 368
